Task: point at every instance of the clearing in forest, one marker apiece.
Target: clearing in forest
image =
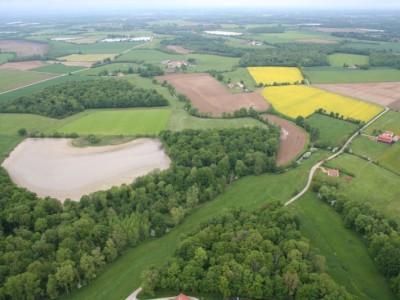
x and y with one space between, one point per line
300 100
271 75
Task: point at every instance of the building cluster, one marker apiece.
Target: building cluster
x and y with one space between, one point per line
388 137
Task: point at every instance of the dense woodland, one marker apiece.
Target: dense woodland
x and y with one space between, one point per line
47 248
259 255
68 98
381 236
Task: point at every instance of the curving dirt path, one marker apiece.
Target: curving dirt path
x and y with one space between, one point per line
292 142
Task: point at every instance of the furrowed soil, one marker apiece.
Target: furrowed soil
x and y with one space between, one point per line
23 48
23 65
210 96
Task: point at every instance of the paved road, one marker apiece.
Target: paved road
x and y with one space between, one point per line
318 164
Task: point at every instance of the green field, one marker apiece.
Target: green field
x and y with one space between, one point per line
109 68
339 59
13 78
39 87
347 258
293 36
389 121
371 183
5 56
384 154
332 132
342 75
149 56
57 69
63 48
205 62
115 122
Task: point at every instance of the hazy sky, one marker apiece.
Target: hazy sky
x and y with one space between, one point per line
41 5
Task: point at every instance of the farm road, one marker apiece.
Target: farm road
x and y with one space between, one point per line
320 163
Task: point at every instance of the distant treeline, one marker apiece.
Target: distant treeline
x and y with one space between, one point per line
247 255
68 98
47 249
367 36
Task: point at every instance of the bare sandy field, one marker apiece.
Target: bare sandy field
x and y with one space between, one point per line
23 65
53 167
209 95
316 41
179 49
292 142
23 48
382 93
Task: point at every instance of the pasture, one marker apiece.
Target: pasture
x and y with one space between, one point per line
86 57
238 75
149 56
300 100
290 36
271 75
10 79
4 57
332 132
383 154
341 59
116 122
206 62
109 68
342 75
389 121
371 183
57 69
347 258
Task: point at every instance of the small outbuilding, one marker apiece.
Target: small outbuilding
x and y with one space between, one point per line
333 173
182 297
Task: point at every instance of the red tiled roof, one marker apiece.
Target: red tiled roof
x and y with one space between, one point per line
385 138
332 172
182 297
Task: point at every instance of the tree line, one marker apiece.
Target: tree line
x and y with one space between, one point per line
48 248
68 98
256 255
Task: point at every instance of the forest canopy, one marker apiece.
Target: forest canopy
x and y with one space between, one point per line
68 98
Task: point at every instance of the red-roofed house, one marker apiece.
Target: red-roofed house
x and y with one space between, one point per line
182 297
385 139
389 133
333 173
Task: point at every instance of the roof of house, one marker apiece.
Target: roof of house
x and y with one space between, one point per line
389 132
182 297
385 138
333 172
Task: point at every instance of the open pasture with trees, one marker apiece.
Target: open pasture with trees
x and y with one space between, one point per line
239 75
10 79
207 62
370 183
116 122
300 100
86 57
275 75
389 121
344 60
148 56
109 68
343 75
332 132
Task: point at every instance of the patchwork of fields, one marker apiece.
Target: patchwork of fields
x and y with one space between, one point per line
271 75
295 101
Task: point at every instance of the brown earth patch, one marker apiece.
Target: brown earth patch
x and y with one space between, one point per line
292 142
316 41
23 65
23 48
347 179
395 105
209 95
179 49
381 93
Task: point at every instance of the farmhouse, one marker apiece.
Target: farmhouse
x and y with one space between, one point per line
175 63
388 137
333 173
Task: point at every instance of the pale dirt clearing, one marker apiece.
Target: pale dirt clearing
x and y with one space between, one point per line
381 93
209 95
23 48
53 167
292 141
23 65
179 49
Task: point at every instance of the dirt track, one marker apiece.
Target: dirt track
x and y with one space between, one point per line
292 142
382 93
179 49
22 48
52 167
211 96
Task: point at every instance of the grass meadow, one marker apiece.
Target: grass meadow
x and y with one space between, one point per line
389 121
57 69
343 75
339 59
115 122
271 75
206 62
5 56
332 132
86 57
238 75
13 78
149 56
371 183
347 258
303 100
109 68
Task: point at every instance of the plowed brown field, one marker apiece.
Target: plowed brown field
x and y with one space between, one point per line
23 48
210 96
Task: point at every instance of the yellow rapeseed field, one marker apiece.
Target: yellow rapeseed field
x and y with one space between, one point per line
86 57
269 75
301 100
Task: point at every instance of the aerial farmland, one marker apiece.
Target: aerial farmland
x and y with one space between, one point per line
219 154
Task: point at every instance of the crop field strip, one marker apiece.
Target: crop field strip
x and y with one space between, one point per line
301 100
86 57
271 75
340 59
10 79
